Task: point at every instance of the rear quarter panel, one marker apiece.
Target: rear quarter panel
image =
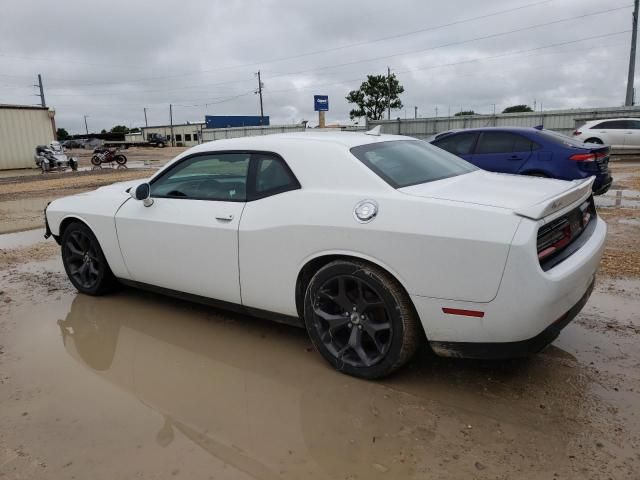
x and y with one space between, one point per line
434 248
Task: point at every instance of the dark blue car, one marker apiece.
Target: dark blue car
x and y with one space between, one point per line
530 151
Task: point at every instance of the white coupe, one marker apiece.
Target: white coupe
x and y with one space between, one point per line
372 242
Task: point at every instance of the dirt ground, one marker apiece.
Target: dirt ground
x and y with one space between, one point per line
135 385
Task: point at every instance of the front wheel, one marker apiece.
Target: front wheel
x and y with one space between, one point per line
594 140
84 261
121 159
95 160
360 319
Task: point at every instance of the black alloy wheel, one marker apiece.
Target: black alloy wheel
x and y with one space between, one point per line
360 319
84 261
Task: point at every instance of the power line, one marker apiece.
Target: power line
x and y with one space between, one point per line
427 67
383 57
330 49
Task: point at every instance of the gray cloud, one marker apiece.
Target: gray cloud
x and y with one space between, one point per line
110 60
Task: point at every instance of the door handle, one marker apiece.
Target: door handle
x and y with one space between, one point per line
224 218
515 157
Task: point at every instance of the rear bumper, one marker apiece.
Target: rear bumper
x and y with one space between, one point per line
522 348
602 185
530 308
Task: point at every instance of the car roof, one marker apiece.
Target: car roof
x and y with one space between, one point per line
269 142
495 129
608 119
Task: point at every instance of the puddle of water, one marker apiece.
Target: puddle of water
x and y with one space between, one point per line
133 382
22 239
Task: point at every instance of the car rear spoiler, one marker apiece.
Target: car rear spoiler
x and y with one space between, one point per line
580 191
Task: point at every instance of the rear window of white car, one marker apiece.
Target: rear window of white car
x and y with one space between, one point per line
402 163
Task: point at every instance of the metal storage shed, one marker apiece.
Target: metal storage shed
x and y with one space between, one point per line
22 127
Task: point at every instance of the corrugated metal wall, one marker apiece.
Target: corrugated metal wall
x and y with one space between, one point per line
209 135
21 129
563 121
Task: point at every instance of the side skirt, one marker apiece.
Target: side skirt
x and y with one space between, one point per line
233 307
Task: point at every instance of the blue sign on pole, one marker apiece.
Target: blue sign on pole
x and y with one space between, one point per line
321 103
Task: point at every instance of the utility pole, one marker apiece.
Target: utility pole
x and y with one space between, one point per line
42 102
436 111
260 94
415 112
86 128
145 117
632 57
388 93
173 138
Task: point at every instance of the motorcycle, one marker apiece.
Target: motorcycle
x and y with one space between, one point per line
52 157
107 155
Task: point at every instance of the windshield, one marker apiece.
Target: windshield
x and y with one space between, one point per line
402 163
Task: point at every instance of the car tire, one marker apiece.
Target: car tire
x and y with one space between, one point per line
160 145
120 159
84 261
360 319
594 140
95 160
537 174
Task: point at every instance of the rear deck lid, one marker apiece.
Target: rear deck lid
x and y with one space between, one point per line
531 197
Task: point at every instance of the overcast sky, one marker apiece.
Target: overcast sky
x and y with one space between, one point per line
109 60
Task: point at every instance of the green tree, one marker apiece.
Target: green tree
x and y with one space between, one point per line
517 108
103 131
62 134
120 129
373 95
134 130
464 112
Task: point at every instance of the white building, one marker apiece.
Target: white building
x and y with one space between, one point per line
22 127
185 134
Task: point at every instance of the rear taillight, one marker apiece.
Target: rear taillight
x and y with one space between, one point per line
583 157
601 155
553 241
577 132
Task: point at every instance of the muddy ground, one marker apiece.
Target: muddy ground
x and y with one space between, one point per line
134 385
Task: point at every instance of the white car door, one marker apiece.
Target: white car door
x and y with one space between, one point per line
187 240
632 134
611 132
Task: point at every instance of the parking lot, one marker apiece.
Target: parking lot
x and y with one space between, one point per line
138 385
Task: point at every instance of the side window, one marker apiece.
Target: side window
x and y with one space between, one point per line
458 144
634 124
178 137
212 176
497 142
273 176
523 144
187 137
611 125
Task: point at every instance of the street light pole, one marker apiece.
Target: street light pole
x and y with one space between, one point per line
632 56
86 128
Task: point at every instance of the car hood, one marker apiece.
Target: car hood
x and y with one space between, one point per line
513 192
119 187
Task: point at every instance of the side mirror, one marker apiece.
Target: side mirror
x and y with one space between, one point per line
142 192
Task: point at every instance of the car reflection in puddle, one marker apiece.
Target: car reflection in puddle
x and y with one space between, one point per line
253 394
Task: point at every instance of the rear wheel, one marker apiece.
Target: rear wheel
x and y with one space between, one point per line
121 159
360 319
594 140
95 160
84 261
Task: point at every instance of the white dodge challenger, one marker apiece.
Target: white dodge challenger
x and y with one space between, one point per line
371 242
